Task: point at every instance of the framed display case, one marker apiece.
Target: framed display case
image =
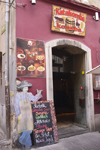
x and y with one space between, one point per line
96 82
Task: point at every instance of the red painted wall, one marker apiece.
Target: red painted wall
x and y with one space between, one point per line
34 22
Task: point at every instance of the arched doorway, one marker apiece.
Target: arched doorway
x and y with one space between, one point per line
89 104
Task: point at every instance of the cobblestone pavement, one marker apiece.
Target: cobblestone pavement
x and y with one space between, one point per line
87 141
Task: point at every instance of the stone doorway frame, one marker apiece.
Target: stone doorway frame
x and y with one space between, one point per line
88 77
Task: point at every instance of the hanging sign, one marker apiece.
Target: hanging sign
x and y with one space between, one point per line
45 128
68 21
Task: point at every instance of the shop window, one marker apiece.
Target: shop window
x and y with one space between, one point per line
0 68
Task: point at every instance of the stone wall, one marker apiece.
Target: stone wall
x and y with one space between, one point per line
12 64
2 49
95 3
4 100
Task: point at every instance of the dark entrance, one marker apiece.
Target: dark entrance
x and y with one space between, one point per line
68 63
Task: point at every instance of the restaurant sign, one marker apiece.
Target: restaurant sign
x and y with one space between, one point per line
68 21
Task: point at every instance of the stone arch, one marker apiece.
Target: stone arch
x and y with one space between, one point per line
88 77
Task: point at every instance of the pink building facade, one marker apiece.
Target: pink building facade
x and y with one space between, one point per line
34 22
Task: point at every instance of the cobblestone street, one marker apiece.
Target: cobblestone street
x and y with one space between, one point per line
88 141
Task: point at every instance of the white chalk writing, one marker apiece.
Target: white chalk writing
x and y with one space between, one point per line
42 121
39 106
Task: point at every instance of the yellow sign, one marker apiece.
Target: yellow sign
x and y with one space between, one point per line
82 72
68 21
3 29
11 94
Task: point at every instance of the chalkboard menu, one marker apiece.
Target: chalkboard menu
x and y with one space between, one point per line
45 128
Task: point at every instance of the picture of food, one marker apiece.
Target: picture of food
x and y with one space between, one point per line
30 58
31 70
19 51
31 55
21 57
21 70
40 70
19 64
40 59
70 23
59 20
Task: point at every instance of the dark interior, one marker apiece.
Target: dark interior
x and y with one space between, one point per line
63 92
64 77
63 81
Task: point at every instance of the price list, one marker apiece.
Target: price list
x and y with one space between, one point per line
45 131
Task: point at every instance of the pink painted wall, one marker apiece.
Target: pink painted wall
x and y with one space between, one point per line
34 22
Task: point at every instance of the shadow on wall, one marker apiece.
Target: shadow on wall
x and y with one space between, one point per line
2 121
97 122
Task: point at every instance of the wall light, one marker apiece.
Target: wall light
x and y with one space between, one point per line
33 2
96 17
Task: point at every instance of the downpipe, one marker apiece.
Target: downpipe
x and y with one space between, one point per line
7 86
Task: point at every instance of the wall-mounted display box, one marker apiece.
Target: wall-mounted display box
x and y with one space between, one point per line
96 82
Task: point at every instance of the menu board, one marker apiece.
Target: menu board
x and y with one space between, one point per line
30 57
45 128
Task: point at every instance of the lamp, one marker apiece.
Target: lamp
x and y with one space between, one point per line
96 17
33 2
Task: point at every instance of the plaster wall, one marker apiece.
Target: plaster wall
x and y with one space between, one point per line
2 87
79 80
34 22
4 111
92 3
12 64
97 122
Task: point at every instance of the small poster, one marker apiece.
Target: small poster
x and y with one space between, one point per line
45 128
68 21
30 56
96 82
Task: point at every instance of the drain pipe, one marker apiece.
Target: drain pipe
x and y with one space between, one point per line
7 91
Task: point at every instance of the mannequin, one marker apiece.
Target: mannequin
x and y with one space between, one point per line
23 113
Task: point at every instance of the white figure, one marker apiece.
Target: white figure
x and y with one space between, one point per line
25 89
23 111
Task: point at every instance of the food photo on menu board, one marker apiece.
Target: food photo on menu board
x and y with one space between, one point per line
30 58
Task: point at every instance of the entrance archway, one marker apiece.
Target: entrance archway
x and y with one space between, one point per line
89 103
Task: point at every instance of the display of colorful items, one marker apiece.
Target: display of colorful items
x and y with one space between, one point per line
30 57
